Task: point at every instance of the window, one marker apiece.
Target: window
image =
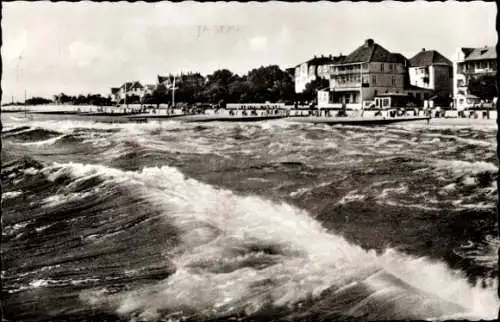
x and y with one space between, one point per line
365 66
393 81
382 67
374 79
386 102
390 67
375 93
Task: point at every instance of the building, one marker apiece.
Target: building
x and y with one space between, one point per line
431 70
468 65
310 70
370 70
149 89
115 94
134 90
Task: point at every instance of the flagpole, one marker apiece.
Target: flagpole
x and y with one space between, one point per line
361 88
173 94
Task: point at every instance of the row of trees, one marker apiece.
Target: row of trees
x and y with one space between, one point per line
89 99
264 84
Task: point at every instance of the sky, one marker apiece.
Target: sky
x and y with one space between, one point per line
88 47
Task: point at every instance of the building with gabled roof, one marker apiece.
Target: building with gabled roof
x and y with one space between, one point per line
431 70
365 73
370 52
133 88
469 64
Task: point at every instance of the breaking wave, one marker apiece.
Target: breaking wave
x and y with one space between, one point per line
243 254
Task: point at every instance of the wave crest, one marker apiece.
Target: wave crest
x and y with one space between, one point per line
244 254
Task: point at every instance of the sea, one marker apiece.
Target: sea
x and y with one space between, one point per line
275 220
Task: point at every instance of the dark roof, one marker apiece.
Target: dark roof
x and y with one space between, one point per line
371 52
132 85
339 59
115 90
467 50
480 53
429 57
162 79
400 58
317 61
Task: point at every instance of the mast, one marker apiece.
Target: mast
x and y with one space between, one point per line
173 94
25 108
125 101
361 88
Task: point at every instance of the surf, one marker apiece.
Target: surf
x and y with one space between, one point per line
241 254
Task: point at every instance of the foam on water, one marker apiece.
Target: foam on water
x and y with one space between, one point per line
11 194
460 167
244 253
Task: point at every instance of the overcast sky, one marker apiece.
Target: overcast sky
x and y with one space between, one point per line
89 47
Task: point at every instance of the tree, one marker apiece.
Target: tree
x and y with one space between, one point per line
37 101
217 85
239 91
311 91
484 86
190 88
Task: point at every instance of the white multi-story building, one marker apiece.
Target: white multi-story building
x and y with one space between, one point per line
469 63
431 70
310 70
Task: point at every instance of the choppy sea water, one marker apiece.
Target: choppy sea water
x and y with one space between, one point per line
272 220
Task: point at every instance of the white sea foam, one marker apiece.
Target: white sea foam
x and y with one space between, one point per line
222 233
44 142
351 196
460 167
11 194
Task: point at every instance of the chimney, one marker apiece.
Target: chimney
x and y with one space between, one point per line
423 49
369 42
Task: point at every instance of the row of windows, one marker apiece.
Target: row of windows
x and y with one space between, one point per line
482 64
357 79
374 80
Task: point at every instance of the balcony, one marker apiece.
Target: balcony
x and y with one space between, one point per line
345 85
346 72
484 71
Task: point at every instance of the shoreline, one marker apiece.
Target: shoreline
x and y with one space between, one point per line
368 117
